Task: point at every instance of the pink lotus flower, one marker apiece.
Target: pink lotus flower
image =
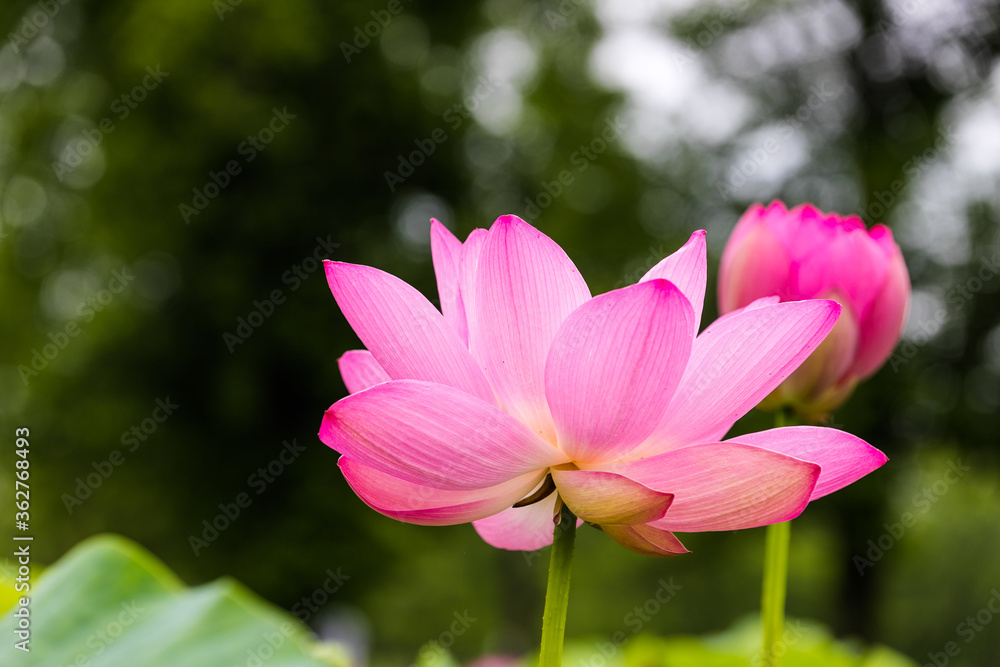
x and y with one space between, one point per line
527 388
807 254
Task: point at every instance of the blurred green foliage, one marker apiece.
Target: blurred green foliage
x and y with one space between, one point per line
141 610
804 645
321 180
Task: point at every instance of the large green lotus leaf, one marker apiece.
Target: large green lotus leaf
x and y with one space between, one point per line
110 603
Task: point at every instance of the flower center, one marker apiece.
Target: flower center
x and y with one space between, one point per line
547 487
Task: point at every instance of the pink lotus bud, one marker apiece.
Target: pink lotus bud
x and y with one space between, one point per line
804 253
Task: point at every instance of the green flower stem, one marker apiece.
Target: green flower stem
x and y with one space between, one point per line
557 591
772 596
